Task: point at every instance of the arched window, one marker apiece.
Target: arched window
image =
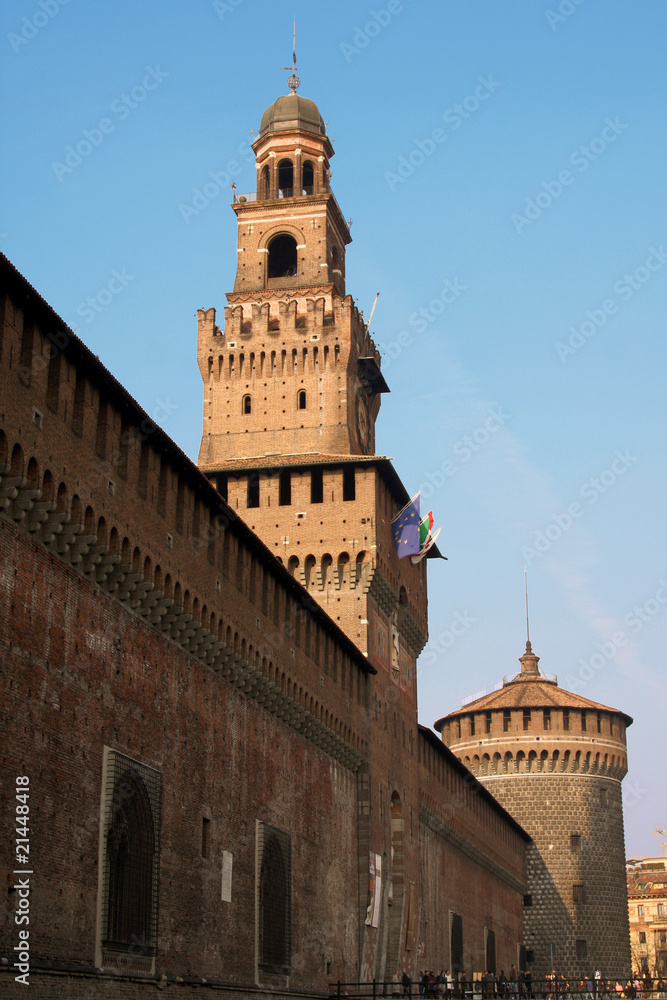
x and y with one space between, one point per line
247 405
129 924
285 179
308 177
266 183
301 399
282 256
274 915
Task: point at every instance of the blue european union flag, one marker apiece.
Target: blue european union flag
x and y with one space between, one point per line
405 527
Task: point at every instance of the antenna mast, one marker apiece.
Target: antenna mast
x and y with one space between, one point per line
293 81
525 583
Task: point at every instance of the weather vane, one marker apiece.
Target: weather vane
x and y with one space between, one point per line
293 81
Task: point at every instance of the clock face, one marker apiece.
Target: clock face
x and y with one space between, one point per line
363 420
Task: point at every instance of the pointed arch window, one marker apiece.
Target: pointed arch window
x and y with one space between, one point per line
275 900
130 850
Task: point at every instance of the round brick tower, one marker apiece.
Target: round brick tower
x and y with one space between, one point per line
555 761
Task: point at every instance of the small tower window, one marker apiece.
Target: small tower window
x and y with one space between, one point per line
247 405
282 256
349 490
507 720
301 400
316 486
472 724
253 490
266 183
487 722
566 719
285 488
527 719
308 175
546 718
285 179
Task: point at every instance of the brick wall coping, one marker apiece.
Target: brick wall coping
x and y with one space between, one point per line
455 764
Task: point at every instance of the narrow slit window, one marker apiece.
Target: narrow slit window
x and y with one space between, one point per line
253 490
301 399
285 488
349 485
316 486
247 404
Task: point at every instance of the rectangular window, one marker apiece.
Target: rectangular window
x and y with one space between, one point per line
578 892
205 837
527 719
575 841
253 490
584 725
490 949
456 942
566 719
661 909
285 488
487 722
349 486
528 899
599 722
221 485
641 911
507 720
582 949
663 937
316 486
129 864
274 894
546 718
642 937
472 725
604 797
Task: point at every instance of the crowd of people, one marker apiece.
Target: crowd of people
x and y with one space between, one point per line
520 984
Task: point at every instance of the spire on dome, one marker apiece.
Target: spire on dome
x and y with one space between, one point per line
293 81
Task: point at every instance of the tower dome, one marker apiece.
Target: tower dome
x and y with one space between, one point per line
555 760
292 112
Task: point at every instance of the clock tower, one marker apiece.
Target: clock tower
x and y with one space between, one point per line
292 389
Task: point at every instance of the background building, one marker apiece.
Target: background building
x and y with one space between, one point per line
647 904
556 760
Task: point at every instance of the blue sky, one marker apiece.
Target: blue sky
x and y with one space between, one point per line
503 164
